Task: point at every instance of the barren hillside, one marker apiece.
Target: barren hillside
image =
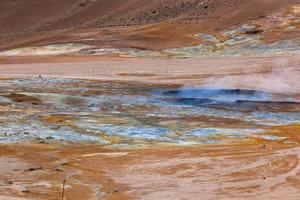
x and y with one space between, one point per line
142 25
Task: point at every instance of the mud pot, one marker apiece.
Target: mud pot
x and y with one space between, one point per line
134 140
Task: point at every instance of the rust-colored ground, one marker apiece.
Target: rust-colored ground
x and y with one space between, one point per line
142 25
251 170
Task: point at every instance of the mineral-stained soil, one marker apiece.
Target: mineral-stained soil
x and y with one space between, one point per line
243 171
18 16
264 164
141 25
93 93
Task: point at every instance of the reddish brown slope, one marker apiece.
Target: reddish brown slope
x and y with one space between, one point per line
37 22
20 15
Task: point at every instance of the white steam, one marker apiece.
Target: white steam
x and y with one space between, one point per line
279 76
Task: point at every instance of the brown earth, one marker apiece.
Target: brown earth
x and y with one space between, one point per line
135 24
23 98
255 169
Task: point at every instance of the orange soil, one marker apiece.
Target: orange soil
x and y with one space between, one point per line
150 25
257 169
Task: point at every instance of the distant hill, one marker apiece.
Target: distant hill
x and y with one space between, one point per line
140 24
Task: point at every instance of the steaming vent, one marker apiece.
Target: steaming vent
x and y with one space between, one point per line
220 95
232 97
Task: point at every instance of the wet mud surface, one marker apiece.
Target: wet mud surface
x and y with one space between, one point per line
132 114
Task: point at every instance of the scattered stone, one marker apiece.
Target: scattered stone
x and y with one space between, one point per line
40 140
33 169
116 190
25 190
49 138
59 170
254 31
64 163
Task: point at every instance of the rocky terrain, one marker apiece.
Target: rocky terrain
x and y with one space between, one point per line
187 28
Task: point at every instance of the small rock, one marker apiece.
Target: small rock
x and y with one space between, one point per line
33 169
115 190
25 191
64 162
254 31
58 170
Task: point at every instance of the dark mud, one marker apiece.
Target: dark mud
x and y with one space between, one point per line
236 99
133 114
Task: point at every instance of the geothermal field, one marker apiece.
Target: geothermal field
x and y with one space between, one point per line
149 99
